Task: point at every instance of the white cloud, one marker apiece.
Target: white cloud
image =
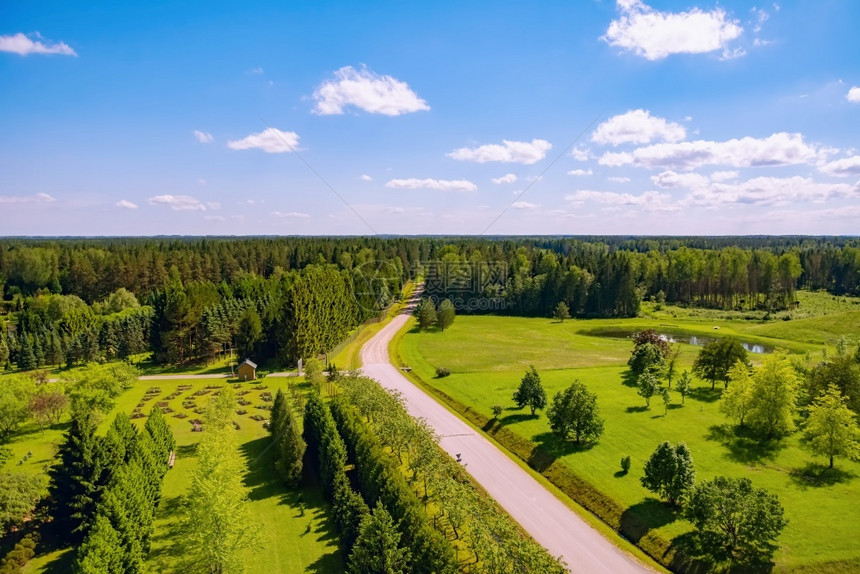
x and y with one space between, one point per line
367 91
770 191
724 175
126 204
366 177
290 214
255 71
618 179
775 150
637 126
439 184
842 167
579 172
581 154
38 198
271 140
23 45
670 179
213 205
510 152
177 202
523 205
507 178
650 200
853 95
654 35
203 137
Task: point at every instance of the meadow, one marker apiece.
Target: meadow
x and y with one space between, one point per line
488 355
297 533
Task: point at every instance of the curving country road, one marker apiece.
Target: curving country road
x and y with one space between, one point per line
541 514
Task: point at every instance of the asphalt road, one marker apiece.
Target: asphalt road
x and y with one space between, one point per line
552 524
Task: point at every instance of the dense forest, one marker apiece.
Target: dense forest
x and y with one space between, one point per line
71 301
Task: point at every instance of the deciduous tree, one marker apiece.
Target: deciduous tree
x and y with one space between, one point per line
774 395
717 357
647 386
530 393
737 399
669 471
445 316
574 411
831 429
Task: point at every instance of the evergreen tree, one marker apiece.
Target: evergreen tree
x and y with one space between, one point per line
26 356
669 472
75 481
4 346
250 333
290 446
561 312
446 315
277 414
831 429
530 392
101 552
378 550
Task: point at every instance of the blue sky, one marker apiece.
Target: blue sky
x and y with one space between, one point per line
589 117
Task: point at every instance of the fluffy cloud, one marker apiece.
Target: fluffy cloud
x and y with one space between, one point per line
23 45
271 140
842 167
366 177
777 149
770 191
367 91
579 172
508 151
724 175
523 205
670 179
654 35
581 154
177 202
650 200
439 184
125 204
290 214
38 198
853 95
203 137
507 178
637 126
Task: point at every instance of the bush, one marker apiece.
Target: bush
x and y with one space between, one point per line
497 411
442 372
625 464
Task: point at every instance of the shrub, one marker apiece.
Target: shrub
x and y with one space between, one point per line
497 411
625 464
442 372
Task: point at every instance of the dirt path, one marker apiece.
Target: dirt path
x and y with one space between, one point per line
539 512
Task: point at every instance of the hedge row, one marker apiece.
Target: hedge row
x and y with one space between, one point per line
381 479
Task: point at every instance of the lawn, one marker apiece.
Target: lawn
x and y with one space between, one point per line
294 539
488 355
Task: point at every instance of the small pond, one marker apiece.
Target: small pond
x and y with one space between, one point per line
676 337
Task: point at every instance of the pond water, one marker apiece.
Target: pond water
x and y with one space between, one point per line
677 337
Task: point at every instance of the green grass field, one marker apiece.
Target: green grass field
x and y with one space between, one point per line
292 540
488 356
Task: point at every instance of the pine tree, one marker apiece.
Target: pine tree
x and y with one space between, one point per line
101 552
378 550
561 312
26 356
75 481
276 415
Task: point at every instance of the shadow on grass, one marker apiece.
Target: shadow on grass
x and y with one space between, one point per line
647 515
172 548
61 564
261 478
744 446
639 409
517 418
186 450
550 448
818 475
629 378
705 394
